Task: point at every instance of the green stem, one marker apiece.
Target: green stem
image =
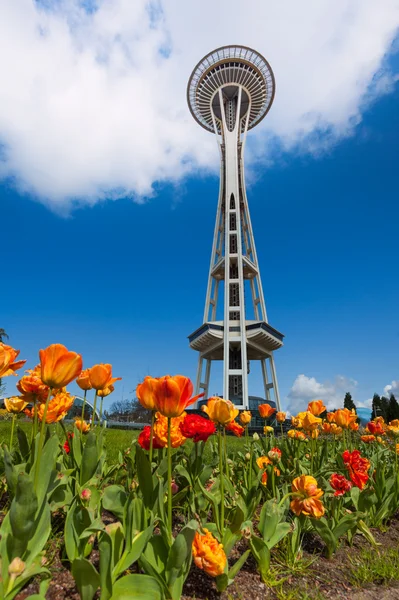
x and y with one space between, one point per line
221 483
101 409
94 409
281 427
152 434
225 452
83 406
14 416
273 481
311 453
170 481
41 440
250 464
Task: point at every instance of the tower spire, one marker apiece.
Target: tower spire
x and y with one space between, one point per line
229 92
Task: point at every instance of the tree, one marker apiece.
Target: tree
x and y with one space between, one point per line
348 402
393 408
384 407
376 407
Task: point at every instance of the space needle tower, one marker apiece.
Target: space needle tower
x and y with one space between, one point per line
229 92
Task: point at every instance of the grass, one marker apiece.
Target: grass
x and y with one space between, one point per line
371 566
115 439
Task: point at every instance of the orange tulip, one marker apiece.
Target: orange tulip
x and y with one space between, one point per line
394 423
335 430
209 554
354 426
82 426
145 392
316 407
101 376
310 422
161 430
173 395
235 428
32 387
15 404
106 391
83 380
220 411
296 435
331 417
367 438
7 358
58 407
266 411
392 430
280 417
344 417
306 497
326 427
59 366
263 462
245 417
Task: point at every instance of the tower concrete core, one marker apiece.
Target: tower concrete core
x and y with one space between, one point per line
229 92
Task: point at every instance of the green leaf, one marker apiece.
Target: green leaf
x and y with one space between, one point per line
77 447
214 502
238 565
137 587
144 475
86 578
282 530
105 548
354 493
261 554
10 473
129 557
41 533
322 528
343 525
47 466
180 551
24 446
22 517
114 500
90 458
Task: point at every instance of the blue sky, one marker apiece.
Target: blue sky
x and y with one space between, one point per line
124 281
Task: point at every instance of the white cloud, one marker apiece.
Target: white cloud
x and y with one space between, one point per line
392 388
305 389
92 103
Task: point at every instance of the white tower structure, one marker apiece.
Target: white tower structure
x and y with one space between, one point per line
229 92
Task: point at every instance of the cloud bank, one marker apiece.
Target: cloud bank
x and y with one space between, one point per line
93 94
305 389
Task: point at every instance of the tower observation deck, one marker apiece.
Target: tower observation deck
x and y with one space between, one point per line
229 92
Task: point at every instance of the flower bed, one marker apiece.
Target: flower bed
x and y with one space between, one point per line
170 519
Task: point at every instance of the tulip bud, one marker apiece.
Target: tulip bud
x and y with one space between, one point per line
274 456
247 456
85 495
134 485
255 437
174 487
16 567
246 532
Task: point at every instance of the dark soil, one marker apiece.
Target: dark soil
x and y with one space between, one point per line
323 579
